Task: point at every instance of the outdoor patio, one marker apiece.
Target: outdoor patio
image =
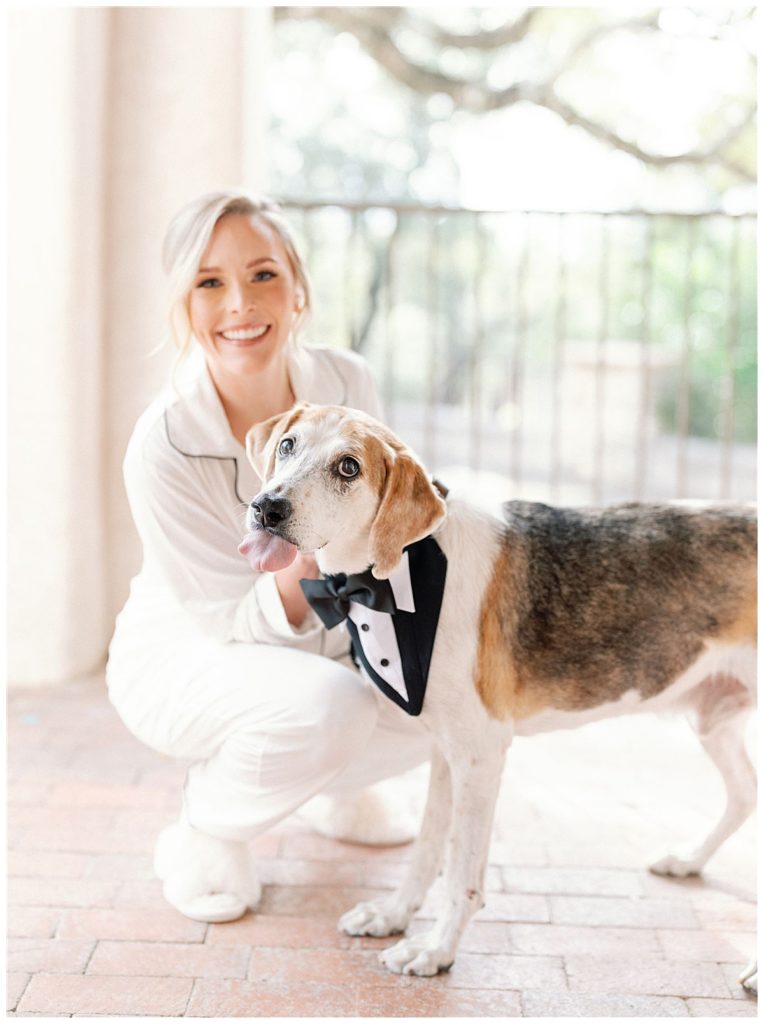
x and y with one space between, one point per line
573 925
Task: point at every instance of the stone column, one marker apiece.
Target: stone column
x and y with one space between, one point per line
118 117
56 592
179 96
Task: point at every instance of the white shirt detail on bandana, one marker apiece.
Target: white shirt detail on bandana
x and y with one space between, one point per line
380 641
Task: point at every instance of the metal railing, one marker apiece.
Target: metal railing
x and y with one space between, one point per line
563 356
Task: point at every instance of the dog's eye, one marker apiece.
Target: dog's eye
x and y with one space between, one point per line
348 468
286 447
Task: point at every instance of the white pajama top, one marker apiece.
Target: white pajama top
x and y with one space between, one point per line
188 481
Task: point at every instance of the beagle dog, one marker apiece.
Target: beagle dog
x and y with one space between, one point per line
549 618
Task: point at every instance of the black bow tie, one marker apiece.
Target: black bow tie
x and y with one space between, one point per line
330 597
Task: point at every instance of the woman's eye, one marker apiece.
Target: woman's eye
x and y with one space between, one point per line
286 447
349 468
264 275
209 282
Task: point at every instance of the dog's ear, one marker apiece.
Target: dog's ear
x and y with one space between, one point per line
410 509
262 439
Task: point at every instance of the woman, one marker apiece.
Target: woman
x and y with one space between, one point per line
209 661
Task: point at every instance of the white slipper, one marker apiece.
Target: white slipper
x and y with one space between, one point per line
212 907
368 817
205 878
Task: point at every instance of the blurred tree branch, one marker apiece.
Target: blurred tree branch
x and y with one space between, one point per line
504 35
376 29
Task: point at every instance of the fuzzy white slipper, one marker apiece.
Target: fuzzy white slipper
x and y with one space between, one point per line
205 878
212 907
368 817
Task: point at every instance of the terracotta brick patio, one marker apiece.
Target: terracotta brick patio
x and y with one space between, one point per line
574 925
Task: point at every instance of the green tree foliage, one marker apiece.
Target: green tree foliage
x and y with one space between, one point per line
569 109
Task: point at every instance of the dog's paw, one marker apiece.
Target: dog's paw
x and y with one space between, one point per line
379 918
417 955
675 866
749 979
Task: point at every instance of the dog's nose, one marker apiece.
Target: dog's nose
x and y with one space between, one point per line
270 510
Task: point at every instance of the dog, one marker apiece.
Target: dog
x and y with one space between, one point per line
549 618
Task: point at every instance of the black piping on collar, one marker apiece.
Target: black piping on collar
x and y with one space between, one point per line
218 458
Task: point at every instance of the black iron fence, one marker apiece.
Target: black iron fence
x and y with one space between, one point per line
563 356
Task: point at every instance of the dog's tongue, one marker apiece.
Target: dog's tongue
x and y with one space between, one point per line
267 553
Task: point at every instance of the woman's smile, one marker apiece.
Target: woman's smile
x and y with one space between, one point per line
245 335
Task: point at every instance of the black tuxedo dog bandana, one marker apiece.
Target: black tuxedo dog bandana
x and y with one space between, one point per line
397 659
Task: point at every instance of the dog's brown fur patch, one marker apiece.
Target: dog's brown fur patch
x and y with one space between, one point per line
497 679
410 507
374 458
585 605
744 627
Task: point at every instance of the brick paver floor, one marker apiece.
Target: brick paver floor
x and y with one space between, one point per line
573 925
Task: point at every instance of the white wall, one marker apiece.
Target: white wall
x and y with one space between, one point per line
118 117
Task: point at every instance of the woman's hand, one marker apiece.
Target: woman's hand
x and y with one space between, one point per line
304 567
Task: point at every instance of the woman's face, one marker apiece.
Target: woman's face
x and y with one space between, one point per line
244 299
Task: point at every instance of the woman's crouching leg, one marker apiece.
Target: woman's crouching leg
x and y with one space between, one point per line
268 742
318 719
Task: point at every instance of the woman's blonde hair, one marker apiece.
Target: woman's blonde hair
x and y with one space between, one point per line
188 236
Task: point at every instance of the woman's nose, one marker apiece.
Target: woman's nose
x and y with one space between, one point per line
241 297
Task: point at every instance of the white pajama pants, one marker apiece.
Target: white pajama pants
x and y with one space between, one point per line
267 728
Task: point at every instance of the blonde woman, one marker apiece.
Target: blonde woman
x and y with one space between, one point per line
211 662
